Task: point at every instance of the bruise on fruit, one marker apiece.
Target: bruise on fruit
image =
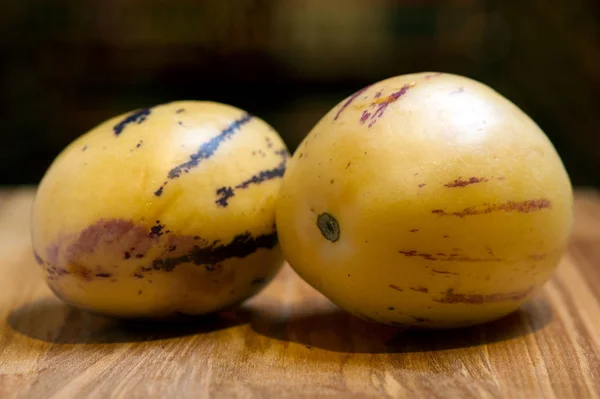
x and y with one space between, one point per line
349 101
241 246
225 193
379 106
329 226
447 257
413 230
136 117
103 275
420 289
510 206
394 287
463 183
206 150
478 299
127 255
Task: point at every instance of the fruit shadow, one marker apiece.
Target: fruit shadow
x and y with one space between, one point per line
53 321
335 330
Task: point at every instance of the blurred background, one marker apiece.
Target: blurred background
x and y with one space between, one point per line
67 65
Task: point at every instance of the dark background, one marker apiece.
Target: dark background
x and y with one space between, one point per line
66 66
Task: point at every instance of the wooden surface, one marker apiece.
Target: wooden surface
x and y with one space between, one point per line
290 342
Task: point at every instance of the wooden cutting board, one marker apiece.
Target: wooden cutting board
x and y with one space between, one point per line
291 342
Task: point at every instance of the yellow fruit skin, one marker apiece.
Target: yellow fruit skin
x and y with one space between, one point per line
452 204
162 211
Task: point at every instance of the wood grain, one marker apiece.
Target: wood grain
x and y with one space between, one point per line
291 342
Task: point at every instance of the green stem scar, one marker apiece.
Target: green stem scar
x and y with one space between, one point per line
329 227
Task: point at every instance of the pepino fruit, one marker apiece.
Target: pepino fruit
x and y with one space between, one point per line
167 210
425 200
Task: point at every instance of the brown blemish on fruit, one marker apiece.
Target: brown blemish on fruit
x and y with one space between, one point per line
391 308
349 101
394 287
413 230
80 271
420 289
433 75
463 183
510 206
347 166
447 257
478 299
445 236
103 275
422 185
538 256
443 272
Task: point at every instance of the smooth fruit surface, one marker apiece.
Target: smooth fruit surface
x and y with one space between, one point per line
162 211
425 200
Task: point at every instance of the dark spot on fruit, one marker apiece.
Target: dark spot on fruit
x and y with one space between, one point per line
422 185
420 319
138 275
349 101
478 299
224 193
127 255
413 230
510 206
433 75
196 237
391 308
208 149
347 166
140 292
445 236
348 275
159 192
172 248
227 192
103 275
139 256
156 231
392 286
331 181
137 117
139 144
329 227
269 143
259 281
463 183
84 148
420 289
180 110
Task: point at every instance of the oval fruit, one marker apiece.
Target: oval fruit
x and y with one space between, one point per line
162 211
425 200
